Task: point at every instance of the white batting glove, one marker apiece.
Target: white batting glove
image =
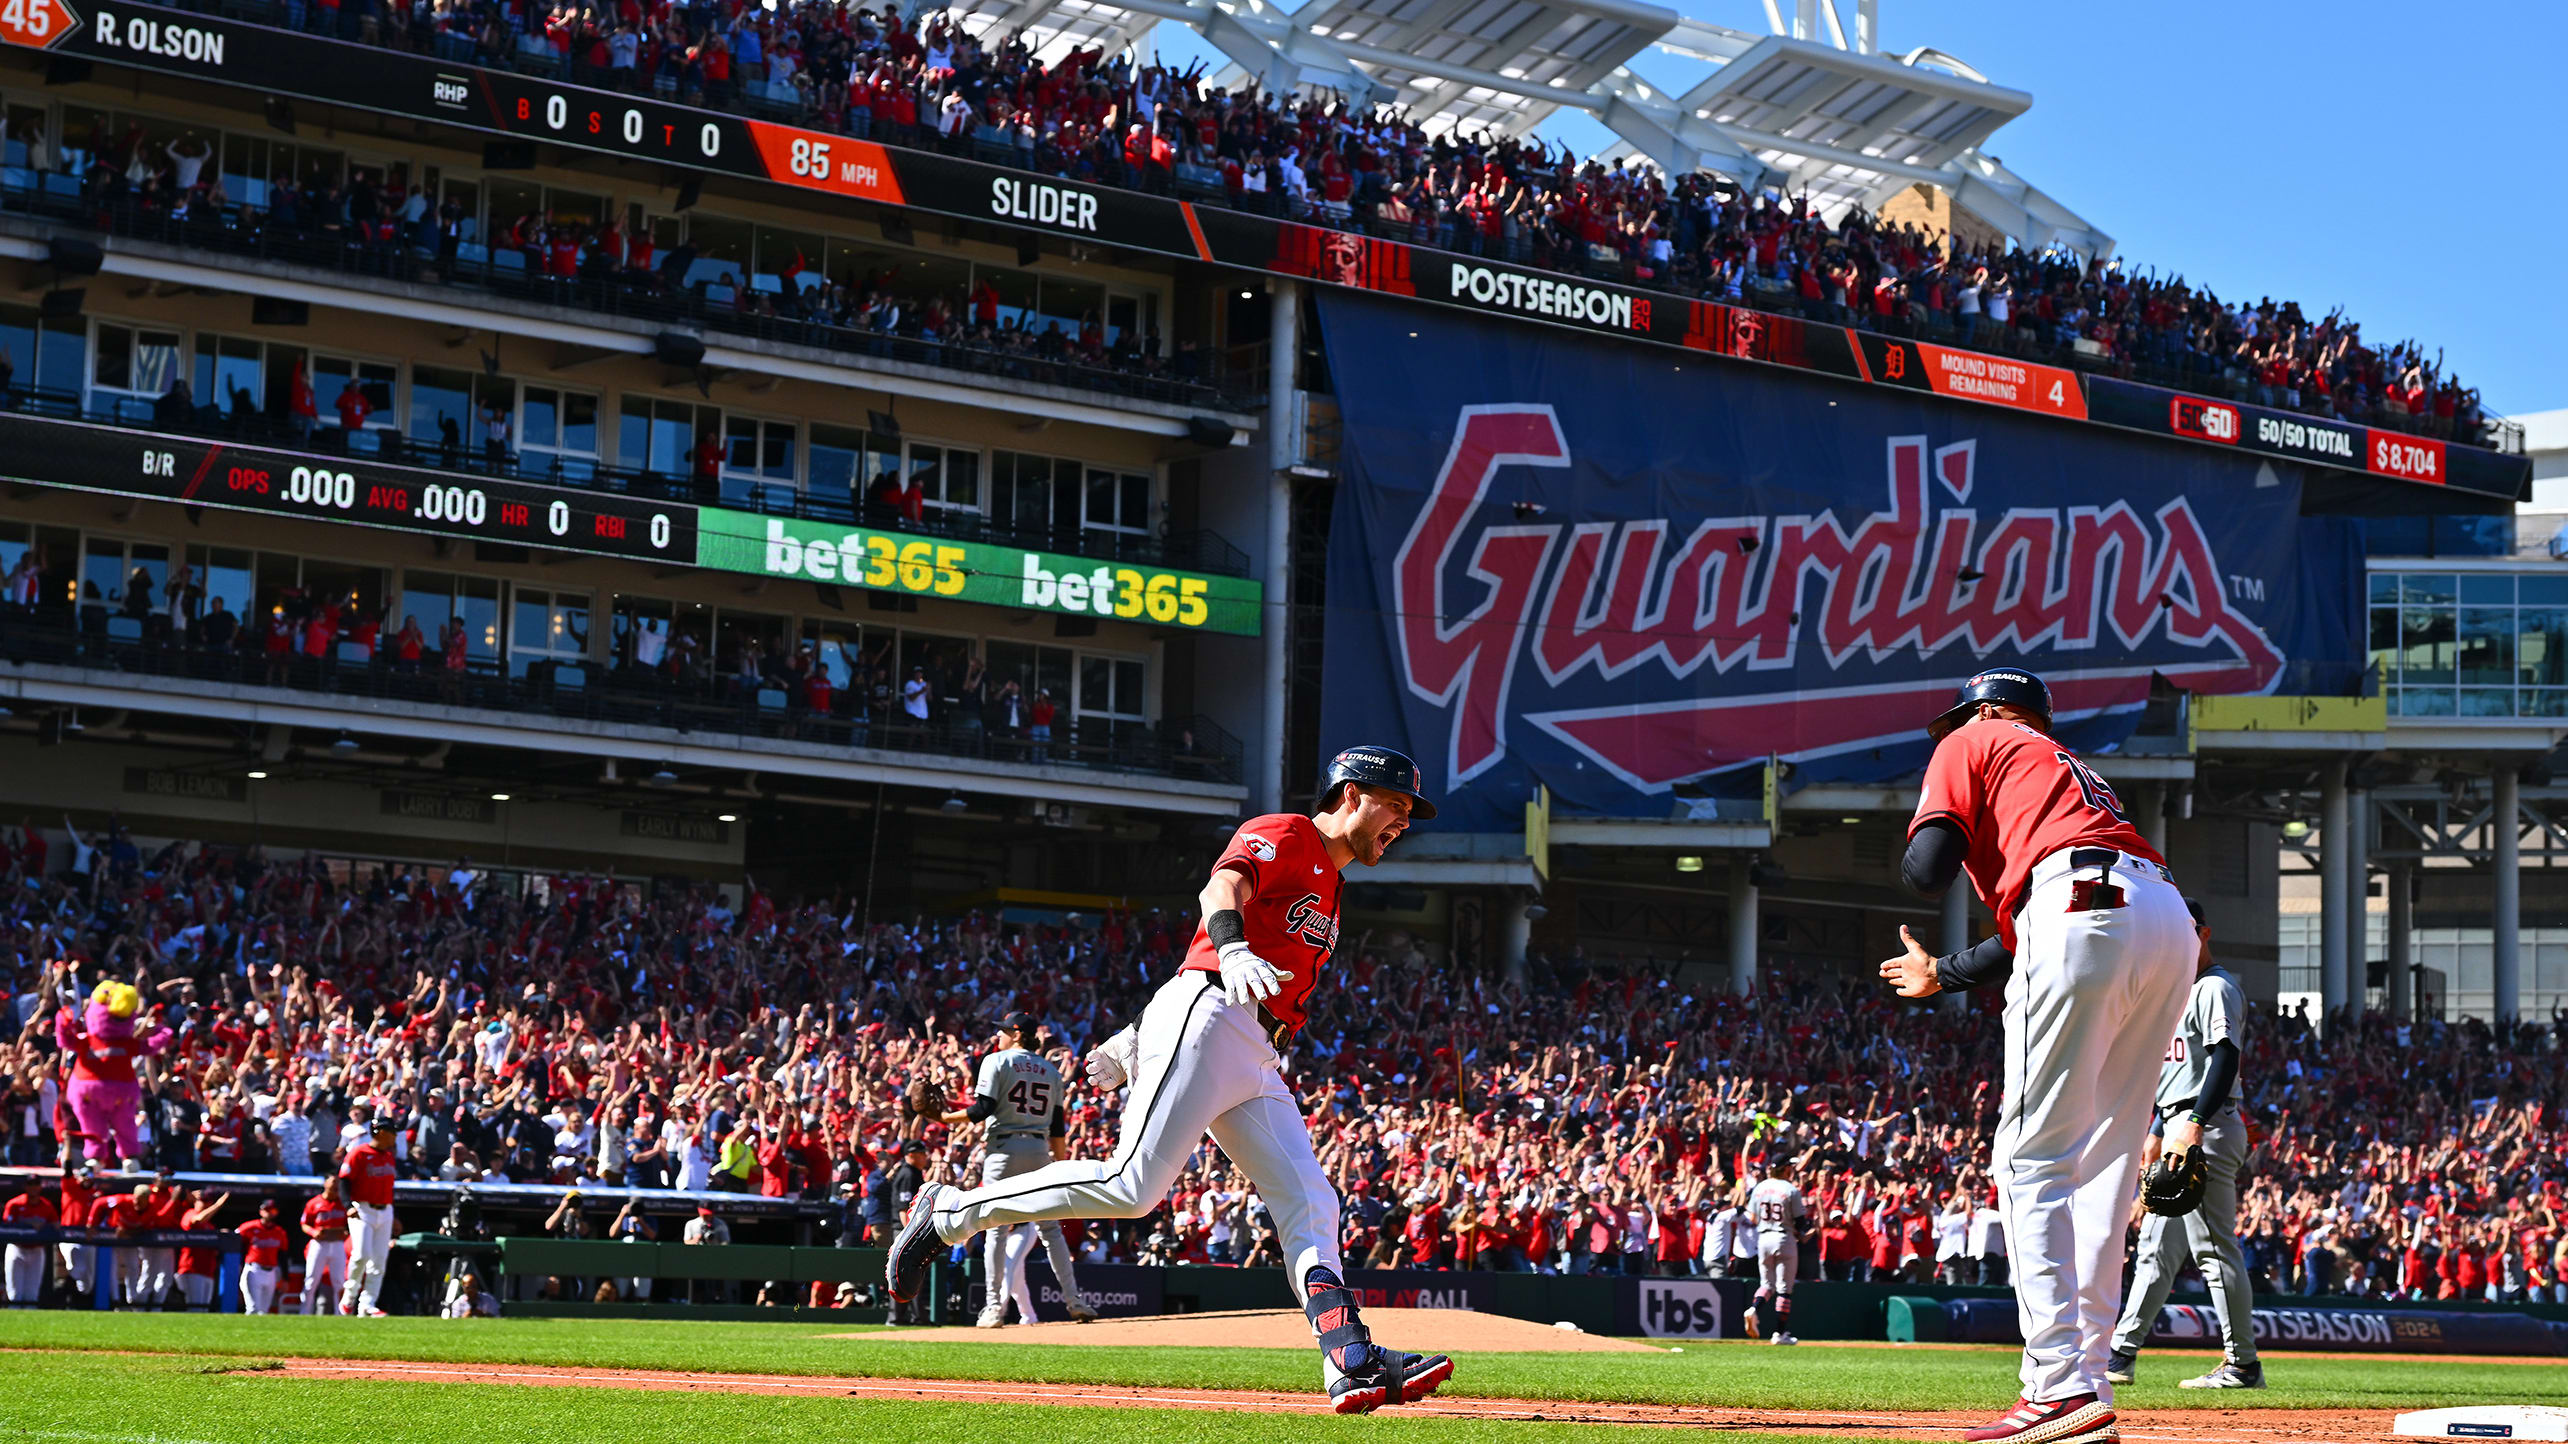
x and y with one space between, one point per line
1248 978
1111 1064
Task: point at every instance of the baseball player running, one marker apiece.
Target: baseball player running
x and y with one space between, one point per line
1781 1219
2197 1109
1205 1058
1019 1095
2095 950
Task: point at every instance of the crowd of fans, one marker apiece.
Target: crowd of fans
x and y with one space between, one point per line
920 77
582 1031
376 221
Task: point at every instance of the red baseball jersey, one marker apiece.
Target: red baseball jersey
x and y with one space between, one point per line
2018 796
325 1218
28 1208
1292 914
264 1243
368 1172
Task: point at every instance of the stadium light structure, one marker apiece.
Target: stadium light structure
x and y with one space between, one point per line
1808 105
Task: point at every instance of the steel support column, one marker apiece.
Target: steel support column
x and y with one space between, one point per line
1743 928
2358 887
1283 348
2152 800
2402 942
2506 953
2331 893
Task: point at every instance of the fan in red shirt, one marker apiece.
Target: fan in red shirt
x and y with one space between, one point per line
264 1243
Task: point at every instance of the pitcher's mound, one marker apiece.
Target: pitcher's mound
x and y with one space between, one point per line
1420 1331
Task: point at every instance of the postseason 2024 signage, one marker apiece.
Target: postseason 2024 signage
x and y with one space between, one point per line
292 66
1580 569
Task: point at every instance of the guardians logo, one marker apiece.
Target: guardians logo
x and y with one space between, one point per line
1482 594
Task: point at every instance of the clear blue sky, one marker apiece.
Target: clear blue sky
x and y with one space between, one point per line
2397 159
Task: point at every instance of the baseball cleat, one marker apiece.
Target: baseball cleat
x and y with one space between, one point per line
1421 1375
2079 1419
990 1318
1367 1387
1080 1313
1785 1339
915 1246
2122 1368
2228 1376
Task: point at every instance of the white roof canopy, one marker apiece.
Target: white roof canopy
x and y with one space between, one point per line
1811 105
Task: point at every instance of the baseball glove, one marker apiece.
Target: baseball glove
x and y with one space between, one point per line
2174 1184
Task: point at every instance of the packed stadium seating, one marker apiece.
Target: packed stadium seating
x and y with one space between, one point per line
921 80
573 1030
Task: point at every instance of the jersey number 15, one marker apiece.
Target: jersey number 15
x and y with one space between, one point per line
2099 793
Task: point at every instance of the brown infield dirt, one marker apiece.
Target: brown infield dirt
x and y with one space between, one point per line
1432 1331
2143 1426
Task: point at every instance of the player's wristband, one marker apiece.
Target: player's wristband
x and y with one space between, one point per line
1226 927
2197 1120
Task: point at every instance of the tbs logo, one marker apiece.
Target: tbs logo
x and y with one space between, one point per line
2208 420
451 91
1689 1310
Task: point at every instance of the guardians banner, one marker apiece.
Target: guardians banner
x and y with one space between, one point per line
1633 577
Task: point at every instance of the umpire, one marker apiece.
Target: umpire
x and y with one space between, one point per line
2197 1109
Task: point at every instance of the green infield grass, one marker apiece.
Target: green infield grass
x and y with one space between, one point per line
1737 1375
206 1399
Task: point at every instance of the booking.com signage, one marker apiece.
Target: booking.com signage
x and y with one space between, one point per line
1559 562
902 562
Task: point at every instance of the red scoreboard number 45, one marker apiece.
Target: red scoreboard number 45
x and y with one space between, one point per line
35 23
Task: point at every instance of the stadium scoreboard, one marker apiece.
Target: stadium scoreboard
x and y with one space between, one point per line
357 490
343 488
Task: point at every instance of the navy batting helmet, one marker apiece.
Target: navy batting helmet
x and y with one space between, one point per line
2012 686
1375 767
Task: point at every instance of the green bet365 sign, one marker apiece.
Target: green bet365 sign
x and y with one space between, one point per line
770 546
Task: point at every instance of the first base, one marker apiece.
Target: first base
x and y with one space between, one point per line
2487 1421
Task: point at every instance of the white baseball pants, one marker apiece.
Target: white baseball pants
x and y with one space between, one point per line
159 1272
80 1266
26 1273
258 1288
369 1252
2089 1008
1003 1258
1205 1067
325 1264
198 1289
1775 1269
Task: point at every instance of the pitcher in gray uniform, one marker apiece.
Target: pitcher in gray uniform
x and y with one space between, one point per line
2197 1108
1020 1097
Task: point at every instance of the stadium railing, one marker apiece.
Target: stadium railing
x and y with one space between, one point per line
240 232
94 636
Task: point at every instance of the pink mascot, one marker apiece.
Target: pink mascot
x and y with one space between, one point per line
105 1094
